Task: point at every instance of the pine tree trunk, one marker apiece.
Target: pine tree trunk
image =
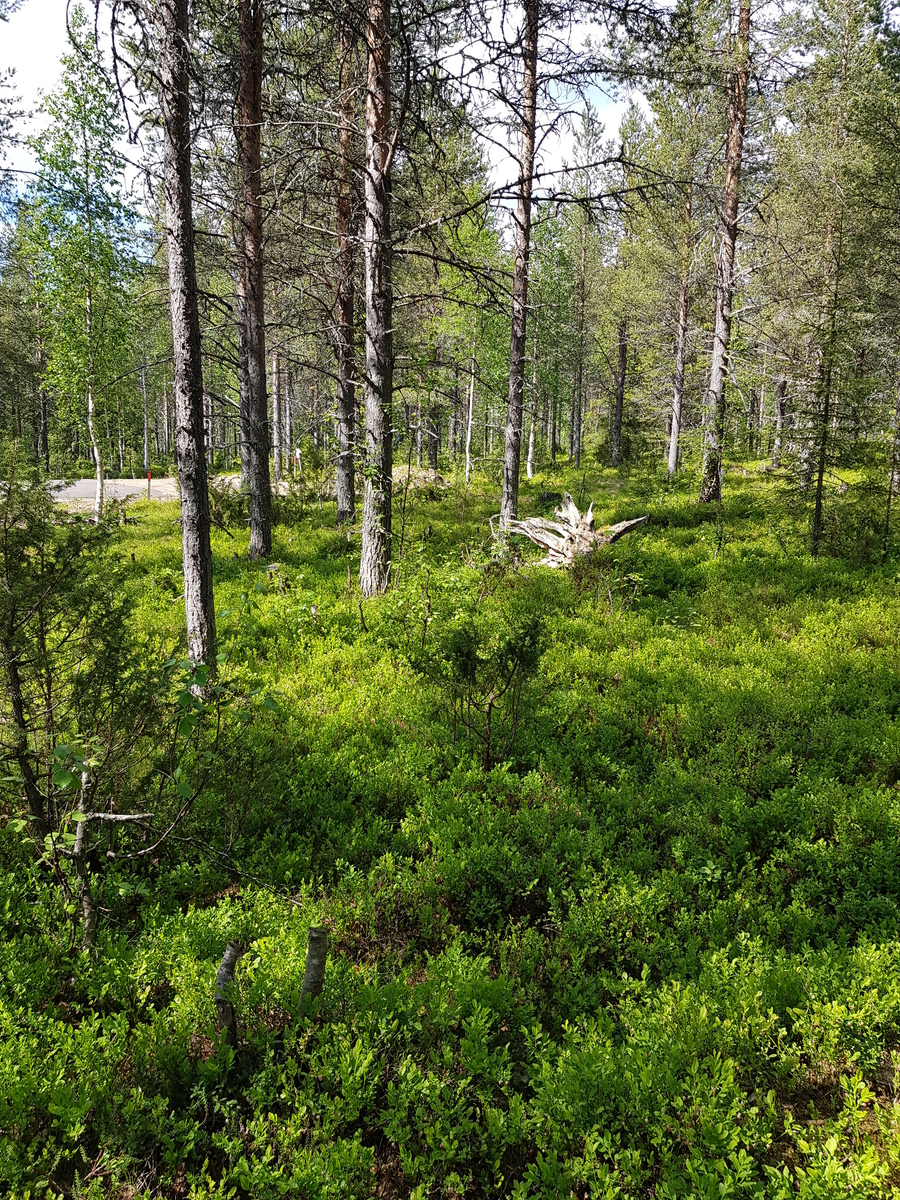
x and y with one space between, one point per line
680 355
512 448
578 396
620 393
172 32
894 484
44 435
277 426
375 559
711 483
251 294
346 392
208 430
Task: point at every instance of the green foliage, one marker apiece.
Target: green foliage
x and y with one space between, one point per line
649 948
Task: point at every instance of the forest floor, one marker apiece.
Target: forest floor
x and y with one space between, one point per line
609 860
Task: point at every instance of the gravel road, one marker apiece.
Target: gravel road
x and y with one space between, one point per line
118 489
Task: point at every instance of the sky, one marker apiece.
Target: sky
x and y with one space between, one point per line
34 38
31 42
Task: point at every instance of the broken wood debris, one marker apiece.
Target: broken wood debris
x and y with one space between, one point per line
571 535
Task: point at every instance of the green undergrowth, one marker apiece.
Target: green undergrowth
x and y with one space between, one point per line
609 861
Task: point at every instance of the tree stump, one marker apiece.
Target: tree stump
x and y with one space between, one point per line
571 535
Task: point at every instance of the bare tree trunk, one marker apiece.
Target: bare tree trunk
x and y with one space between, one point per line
895 450
512 448
146 418
224 979
96 454
711 483
826 371
172 32
752 422
434 437
780 390
529 460
375 559
620 393
86 898
680 353
470 408
165 418
316 958
251 293
44 434
208 430
893 476
346 392
276 415
578 397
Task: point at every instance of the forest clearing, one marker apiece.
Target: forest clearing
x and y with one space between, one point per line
474 771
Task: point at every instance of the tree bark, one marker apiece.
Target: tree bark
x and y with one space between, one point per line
277 425
711 483
780 391
578 396
251 293
146 418
620 393
172 33
375 558
316 958
512 448
346 365
680 345
434 436
470 407
224 1007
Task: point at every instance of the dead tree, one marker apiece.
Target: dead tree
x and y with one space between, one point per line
570 535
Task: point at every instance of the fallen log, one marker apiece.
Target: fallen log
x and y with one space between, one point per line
569 536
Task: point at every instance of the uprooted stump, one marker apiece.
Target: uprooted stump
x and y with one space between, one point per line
570 535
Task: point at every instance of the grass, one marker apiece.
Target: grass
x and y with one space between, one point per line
641 940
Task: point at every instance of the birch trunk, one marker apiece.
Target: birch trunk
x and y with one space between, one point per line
711 483
375 559
251 294
172 58
146 419
512 448
470 410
